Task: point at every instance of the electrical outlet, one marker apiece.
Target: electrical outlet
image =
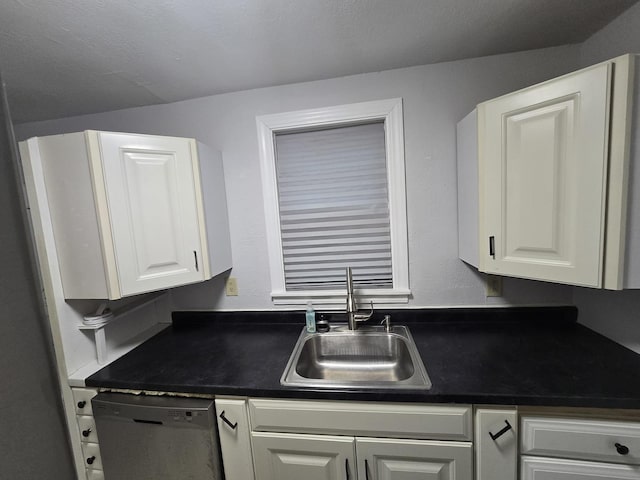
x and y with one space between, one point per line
494 286
231 287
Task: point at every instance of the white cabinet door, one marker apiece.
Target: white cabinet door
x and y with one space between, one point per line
496 443
394 459
560 469
123 214
235 438
543 171
151 193
281 456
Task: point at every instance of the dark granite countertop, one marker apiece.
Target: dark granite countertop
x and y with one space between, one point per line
505 356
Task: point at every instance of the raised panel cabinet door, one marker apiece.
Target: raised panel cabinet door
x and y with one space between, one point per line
543 165
395 459
496 444
282 456
534 468
235 438
151 187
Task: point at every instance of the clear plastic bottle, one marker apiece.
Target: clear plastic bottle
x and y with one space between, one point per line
311 318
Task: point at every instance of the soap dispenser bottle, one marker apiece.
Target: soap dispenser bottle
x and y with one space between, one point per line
311 318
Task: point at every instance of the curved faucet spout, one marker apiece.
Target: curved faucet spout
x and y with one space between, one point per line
353 317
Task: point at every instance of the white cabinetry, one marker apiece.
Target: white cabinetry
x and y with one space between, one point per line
234 432
282 456
543 161
552 174
295 439
561 469
579 448
496 443
128 212
86 430
398 459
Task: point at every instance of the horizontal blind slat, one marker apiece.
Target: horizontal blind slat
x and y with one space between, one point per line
334 207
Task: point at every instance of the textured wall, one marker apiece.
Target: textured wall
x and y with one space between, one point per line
34 442
435 98
620 36
614 314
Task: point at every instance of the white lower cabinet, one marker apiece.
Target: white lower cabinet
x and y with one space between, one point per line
87 433
95 475
496 443
553 447
541 468
399 459
234 432
318 440
287 456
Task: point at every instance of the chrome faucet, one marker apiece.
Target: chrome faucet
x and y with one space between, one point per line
353 317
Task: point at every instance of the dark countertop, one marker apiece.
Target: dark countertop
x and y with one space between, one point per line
502 356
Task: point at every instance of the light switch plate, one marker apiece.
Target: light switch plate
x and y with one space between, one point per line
231 287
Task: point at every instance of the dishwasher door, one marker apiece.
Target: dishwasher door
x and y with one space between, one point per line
159 438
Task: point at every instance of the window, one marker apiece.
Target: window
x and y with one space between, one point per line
334 192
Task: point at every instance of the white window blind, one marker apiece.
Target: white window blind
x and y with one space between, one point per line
334 207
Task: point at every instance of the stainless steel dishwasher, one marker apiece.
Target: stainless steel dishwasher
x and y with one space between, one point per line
152 437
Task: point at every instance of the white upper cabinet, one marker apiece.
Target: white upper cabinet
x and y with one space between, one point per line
130 213
552 175
543 160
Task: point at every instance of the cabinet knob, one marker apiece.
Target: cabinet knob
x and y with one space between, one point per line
622 449
91 459
86 433
82 404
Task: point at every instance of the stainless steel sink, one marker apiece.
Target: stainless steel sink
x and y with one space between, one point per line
369 357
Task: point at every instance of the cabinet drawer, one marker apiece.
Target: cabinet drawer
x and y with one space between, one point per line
534 468
600 440
87 427
95 474
91 455
362 419
82 400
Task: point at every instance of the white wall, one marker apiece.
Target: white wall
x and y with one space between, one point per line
435 97
34 442
620 36
614 314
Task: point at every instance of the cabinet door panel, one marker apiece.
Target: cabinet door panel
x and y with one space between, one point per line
560 469
581 438
235 441
281 456
496 458
543 160
151 196
394 459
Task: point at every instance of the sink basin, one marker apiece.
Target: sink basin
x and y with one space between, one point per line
369 357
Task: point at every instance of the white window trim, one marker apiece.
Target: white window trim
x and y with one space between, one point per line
389 111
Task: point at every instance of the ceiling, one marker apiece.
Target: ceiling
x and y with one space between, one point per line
68 57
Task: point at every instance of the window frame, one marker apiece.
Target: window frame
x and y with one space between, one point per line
388 111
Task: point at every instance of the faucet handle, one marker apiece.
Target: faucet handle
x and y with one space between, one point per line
363 317
386 321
